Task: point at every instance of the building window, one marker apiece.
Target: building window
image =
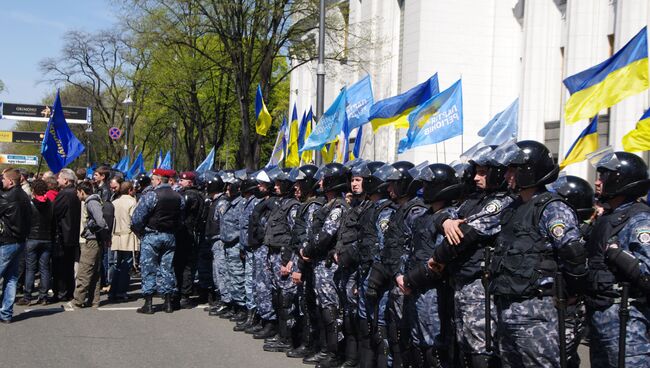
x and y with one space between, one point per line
552 138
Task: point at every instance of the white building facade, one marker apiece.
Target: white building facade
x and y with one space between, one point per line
502 50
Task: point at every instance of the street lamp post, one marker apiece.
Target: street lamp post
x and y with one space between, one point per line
127 123
89 131
174 133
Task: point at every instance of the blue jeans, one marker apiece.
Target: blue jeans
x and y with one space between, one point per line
37 258
9 259
121 277
107 266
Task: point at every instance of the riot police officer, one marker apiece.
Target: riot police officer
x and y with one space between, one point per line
397 242
333 179
208 275
277 237
619 265
303 273
186 239
155 220
539 239
373 343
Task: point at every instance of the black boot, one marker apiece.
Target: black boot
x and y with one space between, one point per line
283 342
167 305
185 302
315 358
330 320
147 308
234 308
255 328
248 322
306 348
331 361
351 352
240 316
266 332
204 296
219 310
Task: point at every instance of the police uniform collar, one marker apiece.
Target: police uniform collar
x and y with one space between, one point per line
163 185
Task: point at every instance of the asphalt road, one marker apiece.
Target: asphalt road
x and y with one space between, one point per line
59 336
115 335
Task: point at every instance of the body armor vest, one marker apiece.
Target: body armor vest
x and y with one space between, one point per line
397 239
521 257
193 208
601 280
166 216
258 221
349 233
425 236
317 225
369 248
278 231
300 231
212 226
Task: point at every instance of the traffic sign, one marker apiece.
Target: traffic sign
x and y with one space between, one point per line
18 159
115 133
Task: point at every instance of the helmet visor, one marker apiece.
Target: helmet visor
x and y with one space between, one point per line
241 174
262 177
387 173
604 159
506 154
481 156
228 177
296 174
561 186
274 173
416 170
361 170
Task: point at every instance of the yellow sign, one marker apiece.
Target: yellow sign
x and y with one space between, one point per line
6 136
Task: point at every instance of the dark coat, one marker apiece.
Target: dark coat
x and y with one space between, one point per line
15 216
67 212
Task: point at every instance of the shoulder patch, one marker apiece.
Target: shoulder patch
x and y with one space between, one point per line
557 230
643 235
493 207
335 214
383 224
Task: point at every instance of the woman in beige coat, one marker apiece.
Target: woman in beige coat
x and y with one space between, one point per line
124 242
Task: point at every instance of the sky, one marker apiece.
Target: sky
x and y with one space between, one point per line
32 30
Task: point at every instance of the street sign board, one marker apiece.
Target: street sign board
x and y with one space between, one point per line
12 159
20 137
25 112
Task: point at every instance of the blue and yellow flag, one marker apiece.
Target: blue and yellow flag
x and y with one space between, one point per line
436 120
601 86
330 124
261 113
639 138
293 157
586 143
60 146
279 147
328 151
395 110
305 130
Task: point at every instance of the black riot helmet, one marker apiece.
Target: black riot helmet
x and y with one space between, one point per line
466 173
213 183
578 192
398 174
248 184
231 182
439 183
534 165
371 185
620 173
141 181
496 171
304 177
264 183
334 177
283 183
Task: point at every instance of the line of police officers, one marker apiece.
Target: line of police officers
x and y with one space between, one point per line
493 262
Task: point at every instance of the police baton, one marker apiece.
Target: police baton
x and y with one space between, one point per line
561 316
488 313
623 316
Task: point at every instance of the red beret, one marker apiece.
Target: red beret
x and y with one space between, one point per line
164 172
188 175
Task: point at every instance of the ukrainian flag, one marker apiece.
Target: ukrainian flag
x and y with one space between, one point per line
639 138
601 86
293 157
304 132
586 143
395 110
263 117
328 151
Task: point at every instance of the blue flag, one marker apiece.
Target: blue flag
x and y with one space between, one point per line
123 164
356 151
280 145
166 162
157 160
502 127
90 171
60 146
436 120
137 168
207 163
359 102
329 125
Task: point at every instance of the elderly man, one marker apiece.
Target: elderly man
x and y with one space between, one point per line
15 222
155 221
67 212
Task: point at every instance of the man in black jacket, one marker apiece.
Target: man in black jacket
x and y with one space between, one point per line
67 212
15 221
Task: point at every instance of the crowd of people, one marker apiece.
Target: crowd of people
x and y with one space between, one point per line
493 261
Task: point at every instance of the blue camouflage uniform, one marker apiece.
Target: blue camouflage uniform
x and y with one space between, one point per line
229 236
482 212
371 312
394 257
248 206
522 271
156 247
261 273
218 251
630 229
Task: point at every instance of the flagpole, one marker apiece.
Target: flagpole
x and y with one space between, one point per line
40 162
437 159
444 151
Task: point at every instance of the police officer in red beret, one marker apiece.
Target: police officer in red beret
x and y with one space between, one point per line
156 218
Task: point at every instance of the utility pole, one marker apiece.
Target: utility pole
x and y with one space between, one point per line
320 71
